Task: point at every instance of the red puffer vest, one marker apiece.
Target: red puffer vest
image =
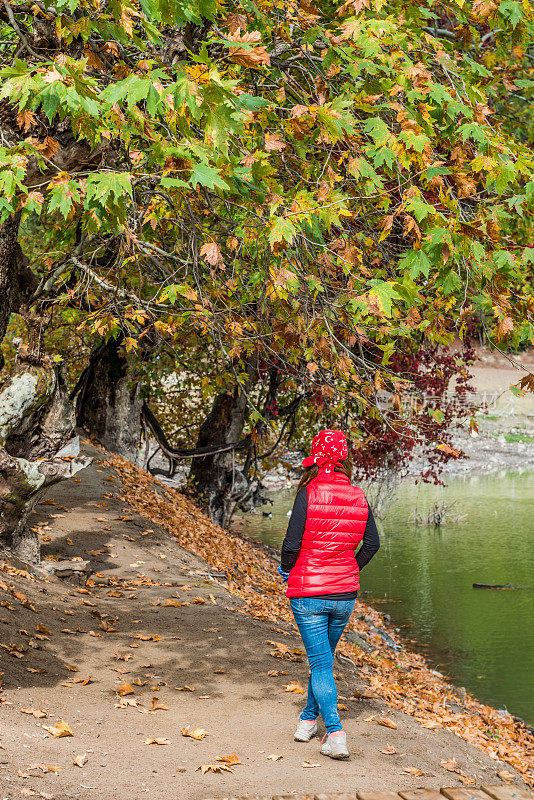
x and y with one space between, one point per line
335 524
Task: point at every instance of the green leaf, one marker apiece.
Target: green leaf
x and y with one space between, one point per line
205 175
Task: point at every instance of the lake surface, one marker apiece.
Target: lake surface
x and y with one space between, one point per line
480 639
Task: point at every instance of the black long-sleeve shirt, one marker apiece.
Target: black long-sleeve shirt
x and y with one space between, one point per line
293 540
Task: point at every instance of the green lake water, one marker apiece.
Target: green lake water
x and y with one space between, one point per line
480 639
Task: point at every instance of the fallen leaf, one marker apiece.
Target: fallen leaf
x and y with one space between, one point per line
273 673
59 730
196 733
45 768
413 771
505 775
157 741
214 768
231 759
145 637
35 712
387 723
468 780
294 687
42 629
342 707
185 688
274 757
123 688
80 760
309 764
157 706
450 765
390 750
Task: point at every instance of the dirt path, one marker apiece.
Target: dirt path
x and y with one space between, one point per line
165 628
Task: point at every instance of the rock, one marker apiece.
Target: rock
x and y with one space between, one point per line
460 692
79 570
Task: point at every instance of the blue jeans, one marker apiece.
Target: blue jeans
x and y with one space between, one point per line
321 623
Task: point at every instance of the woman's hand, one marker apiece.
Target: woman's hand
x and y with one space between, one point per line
285 575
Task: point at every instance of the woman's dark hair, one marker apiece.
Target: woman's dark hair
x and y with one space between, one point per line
311 472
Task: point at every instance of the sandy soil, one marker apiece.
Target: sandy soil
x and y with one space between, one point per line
207 644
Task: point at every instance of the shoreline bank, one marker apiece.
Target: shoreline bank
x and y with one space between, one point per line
199 650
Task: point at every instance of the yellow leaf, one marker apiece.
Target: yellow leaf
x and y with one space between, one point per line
157 741
59 730
196 733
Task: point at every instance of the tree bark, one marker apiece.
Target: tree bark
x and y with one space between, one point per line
36 421
109 403
216 480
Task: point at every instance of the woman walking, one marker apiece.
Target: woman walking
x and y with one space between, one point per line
330 518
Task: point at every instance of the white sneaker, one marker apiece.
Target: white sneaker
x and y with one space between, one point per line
334 745
306 729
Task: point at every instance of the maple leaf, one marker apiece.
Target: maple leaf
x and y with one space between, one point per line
254 56
211 253
204 768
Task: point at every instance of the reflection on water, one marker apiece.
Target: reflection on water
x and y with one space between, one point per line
480 639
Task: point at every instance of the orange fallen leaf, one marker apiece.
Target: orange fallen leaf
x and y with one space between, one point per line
505 775
273 673
42 629
185 688
123 688
390 750
342 707
387 723
138 682
309 765
35 712
468 780
59 730
157 741
450 765
230 759
45 768
274 757
294 686
80 760
413 771
145 637
157 706
196 733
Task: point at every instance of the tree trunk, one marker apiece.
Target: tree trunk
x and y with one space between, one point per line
36 421
216 480
109 403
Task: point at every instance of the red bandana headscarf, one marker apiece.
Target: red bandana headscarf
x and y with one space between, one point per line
328 448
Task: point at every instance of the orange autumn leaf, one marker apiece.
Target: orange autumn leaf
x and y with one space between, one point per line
157 706
294 686
35 712
123 688
162 740
230 759
59 730
387 723
195 733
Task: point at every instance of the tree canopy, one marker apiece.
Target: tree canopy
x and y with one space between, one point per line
332 192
